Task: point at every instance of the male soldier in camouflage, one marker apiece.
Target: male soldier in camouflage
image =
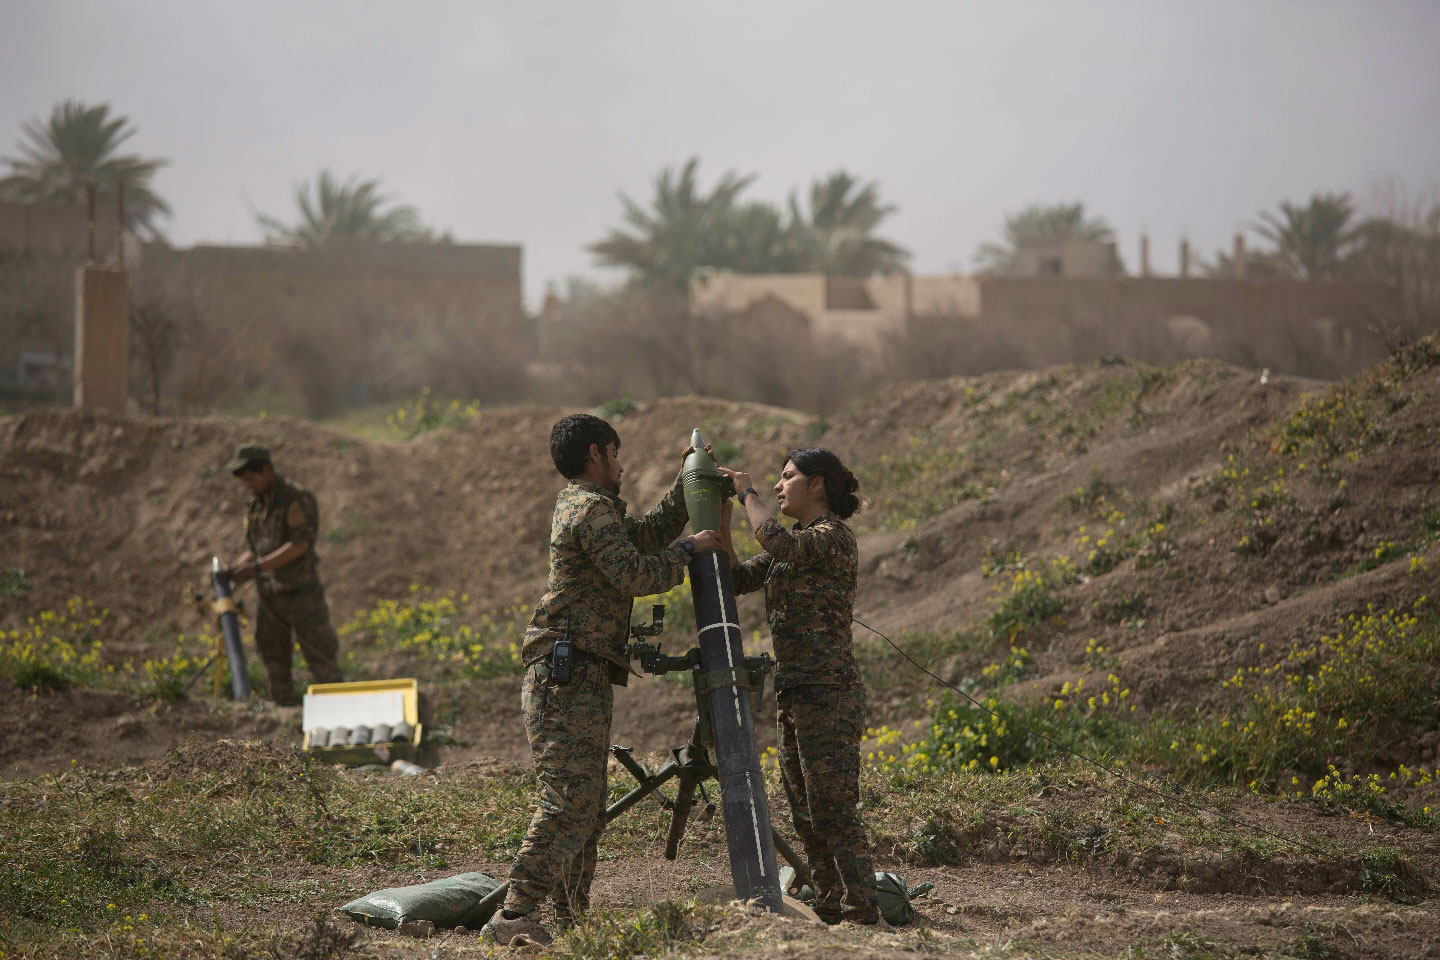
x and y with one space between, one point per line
600 559
809 575
282 522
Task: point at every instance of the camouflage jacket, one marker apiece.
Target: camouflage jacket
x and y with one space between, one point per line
600 559
287 514
809 577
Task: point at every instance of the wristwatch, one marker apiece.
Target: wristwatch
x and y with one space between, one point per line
687 545
745 493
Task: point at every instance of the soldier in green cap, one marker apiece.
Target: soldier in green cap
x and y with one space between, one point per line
282 522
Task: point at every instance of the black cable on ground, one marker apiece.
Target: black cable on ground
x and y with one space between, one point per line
1097 764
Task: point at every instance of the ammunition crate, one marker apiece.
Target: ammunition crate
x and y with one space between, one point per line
363 703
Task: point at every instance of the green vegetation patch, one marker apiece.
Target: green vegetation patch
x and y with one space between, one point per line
1351 694
443 632
886 669
617 407
59 649
928 478
351 527
13 583
426 413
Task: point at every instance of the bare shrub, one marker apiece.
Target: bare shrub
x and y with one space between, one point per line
1401 246
163 324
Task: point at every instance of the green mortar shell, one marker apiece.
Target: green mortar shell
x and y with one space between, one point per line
705 489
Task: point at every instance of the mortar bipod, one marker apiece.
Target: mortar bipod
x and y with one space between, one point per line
691 764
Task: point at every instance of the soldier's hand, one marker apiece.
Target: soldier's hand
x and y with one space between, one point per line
241 572
706 540
740 478
709 448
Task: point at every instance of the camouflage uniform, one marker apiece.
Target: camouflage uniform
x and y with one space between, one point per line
809 578
600 559
292 601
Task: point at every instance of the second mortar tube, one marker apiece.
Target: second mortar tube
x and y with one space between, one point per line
722 667
226 610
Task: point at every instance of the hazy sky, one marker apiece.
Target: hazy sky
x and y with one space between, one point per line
520 122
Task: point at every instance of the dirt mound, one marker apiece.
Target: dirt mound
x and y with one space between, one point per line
127 512
1235 510
229 760
52 730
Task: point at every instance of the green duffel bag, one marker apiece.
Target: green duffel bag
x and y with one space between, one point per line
448 902
895 899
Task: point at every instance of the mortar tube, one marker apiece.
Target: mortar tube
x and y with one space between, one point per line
744 807
230 627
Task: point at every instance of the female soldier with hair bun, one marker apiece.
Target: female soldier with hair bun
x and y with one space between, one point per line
809 574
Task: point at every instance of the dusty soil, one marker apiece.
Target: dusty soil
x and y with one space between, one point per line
126 512
1169 896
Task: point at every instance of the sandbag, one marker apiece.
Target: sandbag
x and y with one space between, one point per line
448 902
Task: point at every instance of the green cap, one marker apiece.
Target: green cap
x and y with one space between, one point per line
246 454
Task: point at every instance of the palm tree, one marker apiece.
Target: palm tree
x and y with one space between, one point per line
684 229
63 158
354 209
837 235
1402 249
1038 223
752 238
1311 241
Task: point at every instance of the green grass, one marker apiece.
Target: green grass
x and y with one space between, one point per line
1028 605
13 583
442 634
235 828
1350 694
928 478
617 407
65 648
426 413
620 935
368 423
350 528
1116 395
885 670
261 402
128 858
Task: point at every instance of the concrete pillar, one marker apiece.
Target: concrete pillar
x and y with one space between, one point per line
1184 258
102 338
1237 259
1144 254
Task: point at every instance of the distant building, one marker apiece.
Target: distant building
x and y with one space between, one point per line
344 323
1067 257
980 323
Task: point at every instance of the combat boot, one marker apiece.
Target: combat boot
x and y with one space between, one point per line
503 931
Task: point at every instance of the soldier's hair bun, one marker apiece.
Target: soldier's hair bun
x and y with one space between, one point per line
840 484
